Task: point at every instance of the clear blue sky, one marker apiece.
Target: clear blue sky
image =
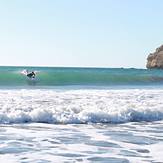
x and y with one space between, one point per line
87 33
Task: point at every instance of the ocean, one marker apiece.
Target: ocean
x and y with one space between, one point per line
100 115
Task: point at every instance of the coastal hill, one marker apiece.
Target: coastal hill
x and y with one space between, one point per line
155 60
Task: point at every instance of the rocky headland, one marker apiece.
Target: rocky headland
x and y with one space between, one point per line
155 60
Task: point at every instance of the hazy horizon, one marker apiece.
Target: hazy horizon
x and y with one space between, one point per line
71 67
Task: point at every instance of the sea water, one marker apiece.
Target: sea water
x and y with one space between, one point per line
81 115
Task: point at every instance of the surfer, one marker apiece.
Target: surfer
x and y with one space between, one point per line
31 74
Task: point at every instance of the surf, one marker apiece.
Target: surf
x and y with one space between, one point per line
13 76
80 106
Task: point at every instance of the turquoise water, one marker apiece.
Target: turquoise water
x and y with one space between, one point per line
45 76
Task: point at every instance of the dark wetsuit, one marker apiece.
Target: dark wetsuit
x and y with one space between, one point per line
31 75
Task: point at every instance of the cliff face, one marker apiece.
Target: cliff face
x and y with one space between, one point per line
155 60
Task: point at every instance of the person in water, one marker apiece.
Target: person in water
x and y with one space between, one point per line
31 74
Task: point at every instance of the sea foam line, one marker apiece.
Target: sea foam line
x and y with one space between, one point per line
80 106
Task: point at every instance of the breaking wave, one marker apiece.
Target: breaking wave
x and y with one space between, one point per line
81 76
80 106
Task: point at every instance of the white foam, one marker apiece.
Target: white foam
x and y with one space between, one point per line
56 143
80 106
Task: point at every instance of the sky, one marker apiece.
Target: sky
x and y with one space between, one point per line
79 33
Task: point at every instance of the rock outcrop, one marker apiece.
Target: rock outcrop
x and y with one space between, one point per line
155 60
